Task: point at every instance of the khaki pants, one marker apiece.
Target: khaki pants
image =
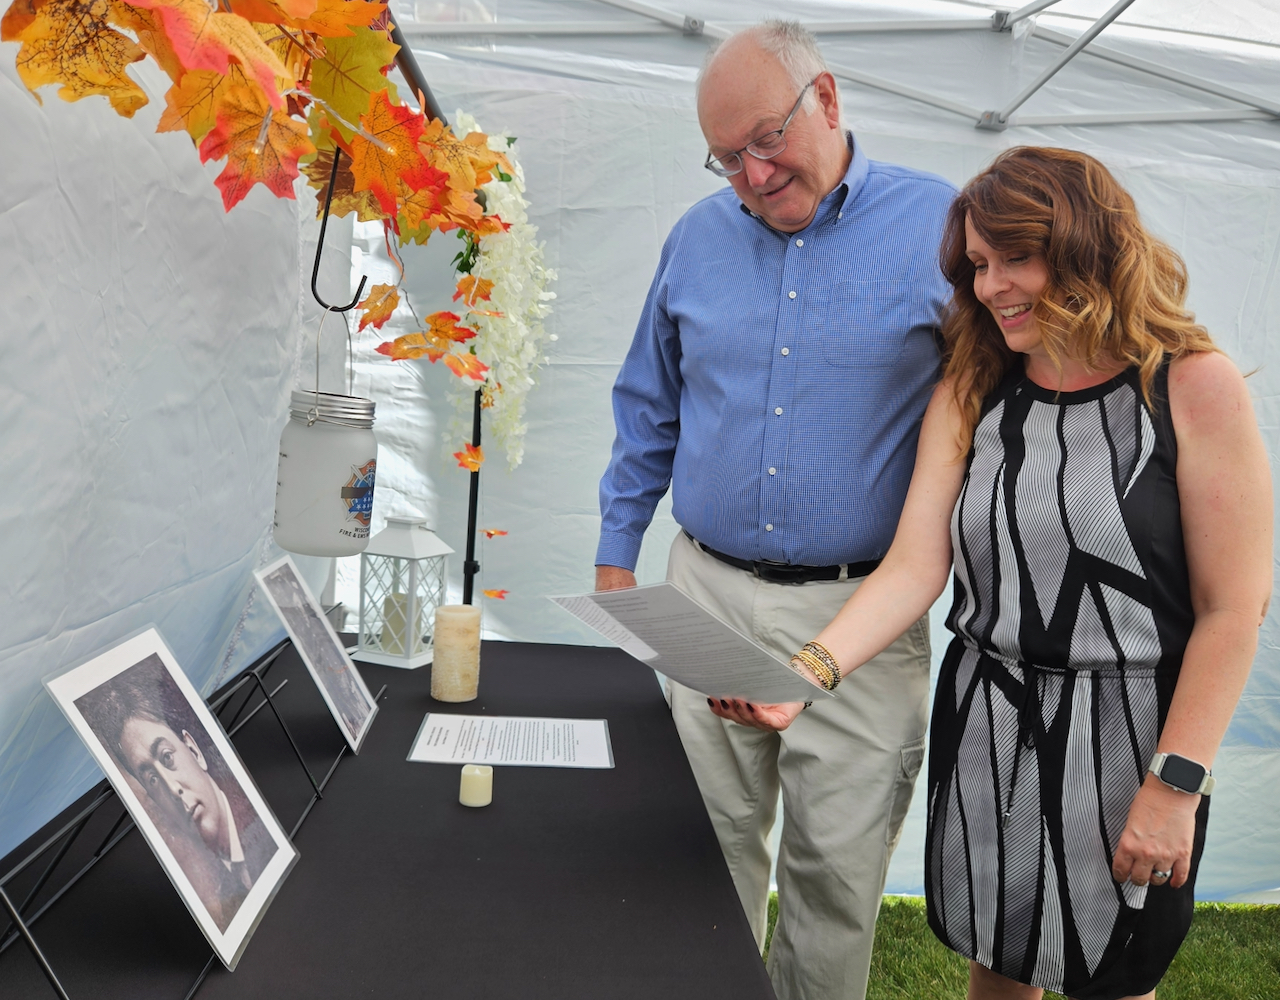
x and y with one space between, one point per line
846 768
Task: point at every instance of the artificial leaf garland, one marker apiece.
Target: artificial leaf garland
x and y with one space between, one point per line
279 87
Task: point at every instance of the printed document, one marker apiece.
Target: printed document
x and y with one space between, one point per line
668 630
484 739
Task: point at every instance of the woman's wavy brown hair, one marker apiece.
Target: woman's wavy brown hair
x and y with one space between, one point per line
1116 294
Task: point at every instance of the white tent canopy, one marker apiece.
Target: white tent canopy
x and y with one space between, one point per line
600 94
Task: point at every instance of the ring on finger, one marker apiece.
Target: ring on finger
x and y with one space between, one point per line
1160 878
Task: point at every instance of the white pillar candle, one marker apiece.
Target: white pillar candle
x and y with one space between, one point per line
455 663
477 785
395 620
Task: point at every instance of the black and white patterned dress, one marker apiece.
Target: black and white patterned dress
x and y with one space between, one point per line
1072 610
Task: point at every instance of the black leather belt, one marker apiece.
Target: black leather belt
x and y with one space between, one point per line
775 572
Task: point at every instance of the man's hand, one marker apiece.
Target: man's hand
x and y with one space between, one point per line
770 718
614 578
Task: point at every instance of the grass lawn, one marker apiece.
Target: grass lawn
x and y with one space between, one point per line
1232 953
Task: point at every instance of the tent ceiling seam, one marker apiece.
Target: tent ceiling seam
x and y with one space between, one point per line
1155 69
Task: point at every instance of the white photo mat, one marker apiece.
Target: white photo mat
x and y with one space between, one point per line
330 665
101 676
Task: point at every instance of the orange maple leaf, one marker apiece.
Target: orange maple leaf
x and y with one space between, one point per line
470 458
466 366
71 43
380 166
261 144
149 31
444 327
204 38
492 532
497 595
472 289
336 18
379 306
409 348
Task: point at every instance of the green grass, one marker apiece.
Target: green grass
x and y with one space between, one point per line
1232 953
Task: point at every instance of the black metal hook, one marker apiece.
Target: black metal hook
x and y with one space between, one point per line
324 222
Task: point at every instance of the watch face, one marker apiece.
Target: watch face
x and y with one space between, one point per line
1182 773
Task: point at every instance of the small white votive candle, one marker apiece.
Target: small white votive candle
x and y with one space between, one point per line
455 662
477 785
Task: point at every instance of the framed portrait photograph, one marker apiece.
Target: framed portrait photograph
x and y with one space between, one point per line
183 783
344 690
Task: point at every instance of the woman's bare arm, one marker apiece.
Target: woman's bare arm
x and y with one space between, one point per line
1224 486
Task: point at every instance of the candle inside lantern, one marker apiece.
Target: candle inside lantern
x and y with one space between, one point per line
455 666
477 785
395 619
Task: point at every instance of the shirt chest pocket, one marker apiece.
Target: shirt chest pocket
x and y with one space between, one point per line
862 324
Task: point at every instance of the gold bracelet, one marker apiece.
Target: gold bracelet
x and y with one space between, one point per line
819 651
807 666
820 669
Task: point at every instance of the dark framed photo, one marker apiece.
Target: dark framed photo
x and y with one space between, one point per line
183 783
344 690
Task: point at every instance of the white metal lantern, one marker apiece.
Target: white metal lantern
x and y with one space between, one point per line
402 582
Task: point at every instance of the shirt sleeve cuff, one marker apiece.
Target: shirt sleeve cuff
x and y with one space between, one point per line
618 549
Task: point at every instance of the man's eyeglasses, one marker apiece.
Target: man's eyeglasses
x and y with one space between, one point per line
766 147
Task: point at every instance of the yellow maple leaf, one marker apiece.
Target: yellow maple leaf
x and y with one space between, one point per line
336 18
192 103
72 43
497 595
379 305
350 72
262 146
470 458
147 29
205 38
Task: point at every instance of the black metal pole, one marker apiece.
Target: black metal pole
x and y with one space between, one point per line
470 567
412 73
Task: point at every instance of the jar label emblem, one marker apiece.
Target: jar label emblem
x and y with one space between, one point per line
357 495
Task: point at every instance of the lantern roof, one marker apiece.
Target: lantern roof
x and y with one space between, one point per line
407 538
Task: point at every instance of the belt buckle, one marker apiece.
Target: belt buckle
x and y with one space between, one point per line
770 566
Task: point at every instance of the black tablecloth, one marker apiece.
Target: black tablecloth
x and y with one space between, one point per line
572 884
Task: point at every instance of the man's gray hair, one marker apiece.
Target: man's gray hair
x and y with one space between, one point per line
793 45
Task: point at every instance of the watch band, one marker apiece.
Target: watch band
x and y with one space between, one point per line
1207 782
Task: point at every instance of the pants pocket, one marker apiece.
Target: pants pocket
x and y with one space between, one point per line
910 757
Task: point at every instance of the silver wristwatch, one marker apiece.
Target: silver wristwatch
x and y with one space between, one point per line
1183 774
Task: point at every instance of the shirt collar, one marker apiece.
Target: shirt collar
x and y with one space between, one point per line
233 836
841 196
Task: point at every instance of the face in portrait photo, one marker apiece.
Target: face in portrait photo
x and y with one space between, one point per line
344 690
182 782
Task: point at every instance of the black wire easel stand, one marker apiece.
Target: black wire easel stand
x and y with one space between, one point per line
20 922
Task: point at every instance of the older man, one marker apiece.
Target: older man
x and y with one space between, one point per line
777 381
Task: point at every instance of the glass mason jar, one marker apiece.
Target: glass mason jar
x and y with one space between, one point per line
324 489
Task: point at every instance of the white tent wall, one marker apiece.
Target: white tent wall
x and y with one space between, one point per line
150 344
612 153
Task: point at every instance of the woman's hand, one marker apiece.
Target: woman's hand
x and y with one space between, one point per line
1158 835
770 718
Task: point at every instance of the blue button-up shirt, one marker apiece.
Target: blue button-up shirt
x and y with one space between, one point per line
777 380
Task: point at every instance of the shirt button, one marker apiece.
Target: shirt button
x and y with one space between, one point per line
772 471
799 243
839 215
791 295
768 527
786 351
778 410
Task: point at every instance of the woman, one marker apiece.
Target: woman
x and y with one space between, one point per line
1092 467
